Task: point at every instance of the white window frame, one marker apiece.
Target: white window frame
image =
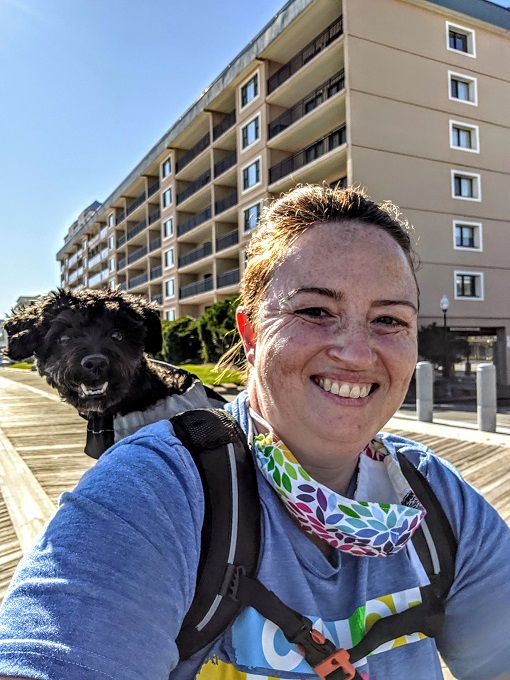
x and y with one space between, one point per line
167 282
471 80
165 235
463 272
475 135
245 167
164 174
468 32
467 175
478 227
167 192
254 74
166 256
170 314
252 120
245 210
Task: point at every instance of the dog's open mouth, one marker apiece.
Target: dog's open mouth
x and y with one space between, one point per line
93 391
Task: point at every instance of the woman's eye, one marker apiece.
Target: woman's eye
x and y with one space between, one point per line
314 312
390 321
117 336
63 339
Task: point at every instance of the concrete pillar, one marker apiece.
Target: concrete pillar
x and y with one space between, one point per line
424 391
486 402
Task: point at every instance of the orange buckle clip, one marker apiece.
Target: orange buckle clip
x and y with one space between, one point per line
339 659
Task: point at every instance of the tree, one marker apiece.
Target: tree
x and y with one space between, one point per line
431 345
216 329
181 341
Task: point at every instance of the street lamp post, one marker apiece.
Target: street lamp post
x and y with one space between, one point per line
444 304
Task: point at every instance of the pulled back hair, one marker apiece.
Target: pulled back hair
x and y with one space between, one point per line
283 220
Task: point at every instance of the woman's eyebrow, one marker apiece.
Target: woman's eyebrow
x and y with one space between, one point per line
392 303
315 290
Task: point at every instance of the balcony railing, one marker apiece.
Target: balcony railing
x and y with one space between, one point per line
332 32
196 254
154 216
311 153
155 244
121 264
195 150
137 254
227 278
194 187
138 280
194 221
121 240
123 286
339 183
222 166
158 299
136 203
307 104
227 240
225 203
139 226
121 216
156 272
224 125
196 288
152 188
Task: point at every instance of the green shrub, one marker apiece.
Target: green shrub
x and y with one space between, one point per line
181 342
217 329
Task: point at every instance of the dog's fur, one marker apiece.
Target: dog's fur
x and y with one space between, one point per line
90 345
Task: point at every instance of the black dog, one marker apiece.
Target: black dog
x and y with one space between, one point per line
90 345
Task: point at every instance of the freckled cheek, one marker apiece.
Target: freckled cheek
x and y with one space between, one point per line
283 356
400 353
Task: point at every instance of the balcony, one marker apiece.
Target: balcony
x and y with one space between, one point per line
227 240
152 188
195 150
154 216
138 280
194 187
139 226
136 203
121 264
156 272
224 125
229 278
340 183
308 155
225 203
196 288
123 286
137 254
196 254
121 216
121 240
222 166
313 48
157 298
155 244
194 221
307 104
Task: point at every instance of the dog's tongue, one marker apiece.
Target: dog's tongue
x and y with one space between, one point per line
93 391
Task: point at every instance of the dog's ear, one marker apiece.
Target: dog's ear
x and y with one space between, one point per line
23 334
153 333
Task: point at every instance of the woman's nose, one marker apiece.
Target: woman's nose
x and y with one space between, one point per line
353 347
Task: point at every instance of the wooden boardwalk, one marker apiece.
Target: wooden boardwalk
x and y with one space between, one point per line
46 438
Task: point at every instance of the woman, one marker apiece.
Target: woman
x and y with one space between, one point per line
328 322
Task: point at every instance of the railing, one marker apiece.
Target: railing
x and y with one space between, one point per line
155 244
139 226
227 240
95 279
194 221
307 104
227 278
312 152
136 203
138 280
339 183
222 166
121 216
152 188
194 187
225 203
121 240
157 298
196 254
121 264
224 125
154 216
332 32
196 288
195 150
156 272
137 254
123 286
94 260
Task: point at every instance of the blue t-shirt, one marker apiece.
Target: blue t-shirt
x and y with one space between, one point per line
104 591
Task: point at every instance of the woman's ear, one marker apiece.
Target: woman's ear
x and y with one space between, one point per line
247 334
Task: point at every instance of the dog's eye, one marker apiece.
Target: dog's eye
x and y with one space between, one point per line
117 336
63 339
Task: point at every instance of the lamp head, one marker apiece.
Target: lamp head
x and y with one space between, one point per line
444 303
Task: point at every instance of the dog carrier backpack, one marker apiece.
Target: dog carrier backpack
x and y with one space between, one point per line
227 572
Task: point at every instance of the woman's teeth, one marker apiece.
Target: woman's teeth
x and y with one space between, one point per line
344 389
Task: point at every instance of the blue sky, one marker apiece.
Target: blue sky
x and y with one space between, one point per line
87 87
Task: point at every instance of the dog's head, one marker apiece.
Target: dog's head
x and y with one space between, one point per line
88 344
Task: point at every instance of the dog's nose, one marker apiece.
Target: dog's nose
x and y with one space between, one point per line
94 362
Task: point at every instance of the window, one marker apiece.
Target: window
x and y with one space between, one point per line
111 220
169 257
168 228
464 136
250 132
460 39
466 186
251 217
462 88
170 315
249 90
169 288
166 167
251 175
167 198
111 264
468 285
467 235
111 242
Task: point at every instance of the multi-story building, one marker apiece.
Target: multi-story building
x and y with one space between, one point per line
408 98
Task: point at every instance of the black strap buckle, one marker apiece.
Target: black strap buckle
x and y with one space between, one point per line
321 654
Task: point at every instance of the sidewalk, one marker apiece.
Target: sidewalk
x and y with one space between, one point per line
460 415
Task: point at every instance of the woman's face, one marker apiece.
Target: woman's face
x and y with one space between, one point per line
335 344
